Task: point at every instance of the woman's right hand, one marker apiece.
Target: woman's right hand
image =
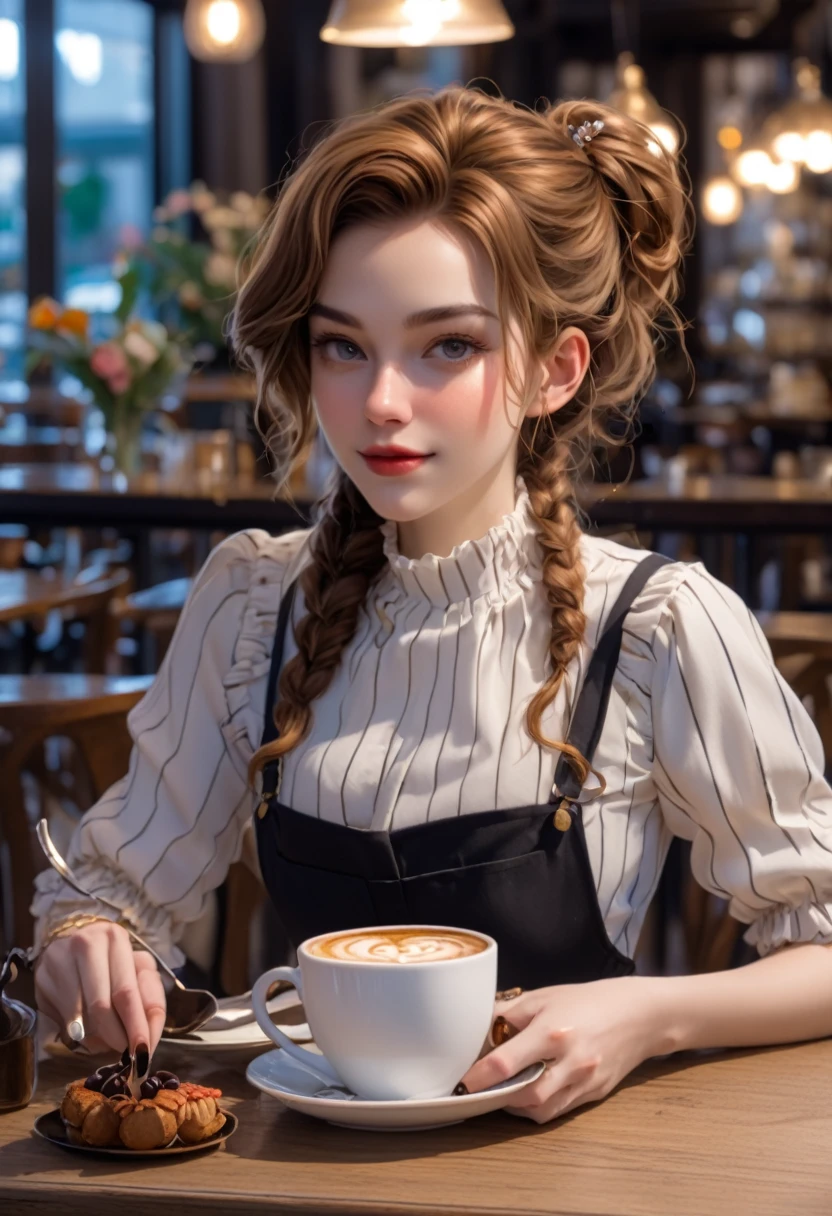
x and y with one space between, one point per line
94 974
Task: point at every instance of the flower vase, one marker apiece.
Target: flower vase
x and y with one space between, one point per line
124 441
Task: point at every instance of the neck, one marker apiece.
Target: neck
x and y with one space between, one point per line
468 516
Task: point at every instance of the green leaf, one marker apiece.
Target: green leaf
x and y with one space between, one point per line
130 282
32 362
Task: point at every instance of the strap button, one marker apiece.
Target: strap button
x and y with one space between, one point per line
563 820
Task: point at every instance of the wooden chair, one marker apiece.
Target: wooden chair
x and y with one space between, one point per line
13 538
89 710
801 643
31 597
155 611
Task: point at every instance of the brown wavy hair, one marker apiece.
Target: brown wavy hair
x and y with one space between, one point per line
590 236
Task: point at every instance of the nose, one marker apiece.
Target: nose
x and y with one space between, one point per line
389 397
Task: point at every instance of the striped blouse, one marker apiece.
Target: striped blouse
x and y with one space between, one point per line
425 719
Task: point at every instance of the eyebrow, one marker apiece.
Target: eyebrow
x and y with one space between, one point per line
427 316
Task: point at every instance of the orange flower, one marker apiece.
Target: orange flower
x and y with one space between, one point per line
74 321
45 313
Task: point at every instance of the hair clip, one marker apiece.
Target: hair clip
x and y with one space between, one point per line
586 132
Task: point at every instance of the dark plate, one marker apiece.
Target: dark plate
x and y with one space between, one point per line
51 1127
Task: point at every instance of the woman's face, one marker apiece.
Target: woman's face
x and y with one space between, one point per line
406 350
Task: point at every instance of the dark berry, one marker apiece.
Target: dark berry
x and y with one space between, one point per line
172 1083
164 1075
108 1070
114 1086
150 1087
94 1082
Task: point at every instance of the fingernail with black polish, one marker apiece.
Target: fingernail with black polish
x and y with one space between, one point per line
126 1058
460 1090
142 1059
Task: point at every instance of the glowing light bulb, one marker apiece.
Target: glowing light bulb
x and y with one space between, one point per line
790 145
752 167
818 158
426 19
721 201
222 21
729 138
666 135
783 177
230 31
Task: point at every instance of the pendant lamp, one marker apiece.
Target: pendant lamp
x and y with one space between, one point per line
376 23
801 132
631 96
224 31
721 200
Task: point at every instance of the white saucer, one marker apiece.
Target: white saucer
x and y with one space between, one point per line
278 1074
244 1037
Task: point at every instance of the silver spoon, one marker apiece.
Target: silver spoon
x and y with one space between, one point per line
187 1008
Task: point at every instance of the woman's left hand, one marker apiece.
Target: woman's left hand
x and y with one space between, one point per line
591 1036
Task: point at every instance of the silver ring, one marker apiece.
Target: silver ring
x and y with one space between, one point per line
75 1030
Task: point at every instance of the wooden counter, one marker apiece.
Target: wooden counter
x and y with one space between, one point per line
745 1133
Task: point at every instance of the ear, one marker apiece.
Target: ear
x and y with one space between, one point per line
563 371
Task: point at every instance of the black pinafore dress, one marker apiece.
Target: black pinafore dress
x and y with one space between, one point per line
521 875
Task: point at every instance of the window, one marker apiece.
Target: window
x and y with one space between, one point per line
12 188
104 113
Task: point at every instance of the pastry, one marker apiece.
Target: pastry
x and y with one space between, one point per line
101 1112
90 1116
201 1117
144 1124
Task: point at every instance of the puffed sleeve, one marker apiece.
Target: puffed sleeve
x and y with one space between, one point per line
738 767
164 836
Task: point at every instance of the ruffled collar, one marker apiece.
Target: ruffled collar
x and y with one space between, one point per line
497 564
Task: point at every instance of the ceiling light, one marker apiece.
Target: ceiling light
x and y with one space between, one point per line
729 138
808 116
375 23
631 96
818 152
783 177
721 201
752 167
226 31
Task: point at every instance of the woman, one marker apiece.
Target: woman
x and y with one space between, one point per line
457 706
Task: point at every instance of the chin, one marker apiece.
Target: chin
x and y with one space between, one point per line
398 501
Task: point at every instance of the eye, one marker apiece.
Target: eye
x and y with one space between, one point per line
337 350
457 348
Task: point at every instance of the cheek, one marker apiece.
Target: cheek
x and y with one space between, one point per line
337 399
468 403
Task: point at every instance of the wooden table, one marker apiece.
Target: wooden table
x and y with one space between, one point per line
728 503
69 495
25 593
81 496
746 1133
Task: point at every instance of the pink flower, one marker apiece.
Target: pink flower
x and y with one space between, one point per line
110 363
178 202
131 237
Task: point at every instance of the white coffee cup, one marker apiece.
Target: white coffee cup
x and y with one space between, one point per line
389 1030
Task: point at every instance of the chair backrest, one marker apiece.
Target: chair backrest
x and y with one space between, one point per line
89 710
90 600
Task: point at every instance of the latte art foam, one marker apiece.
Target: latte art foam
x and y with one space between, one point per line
398 946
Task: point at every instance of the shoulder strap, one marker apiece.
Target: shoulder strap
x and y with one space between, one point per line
270 730
591 709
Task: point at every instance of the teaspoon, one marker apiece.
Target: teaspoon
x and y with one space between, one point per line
187 1008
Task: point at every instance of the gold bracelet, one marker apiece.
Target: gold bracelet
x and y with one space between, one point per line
76 922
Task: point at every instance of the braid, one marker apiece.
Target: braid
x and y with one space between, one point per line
545 470
347 554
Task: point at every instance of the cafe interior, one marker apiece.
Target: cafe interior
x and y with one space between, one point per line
142 143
